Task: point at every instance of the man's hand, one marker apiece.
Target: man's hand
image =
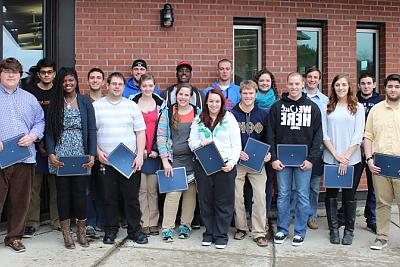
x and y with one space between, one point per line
372 167
102 156
306 165
267 157
227 168
27 140
1 146
244 156
277 165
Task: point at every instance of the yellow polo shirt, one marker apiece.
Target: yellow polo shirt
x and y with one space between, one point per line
383 128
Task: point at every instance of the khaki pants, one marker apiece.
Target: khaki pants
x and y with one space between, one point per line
148 198
385 190
258 216
33 216
171 205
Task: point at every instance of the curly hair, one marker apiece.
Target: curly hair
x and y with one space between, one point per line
333 98
273 83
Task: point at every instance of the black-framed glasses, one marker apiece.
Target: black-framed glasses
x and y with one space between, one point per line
49 72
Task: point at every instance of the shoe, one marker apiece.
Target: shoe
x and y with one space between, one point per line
206 243
332 217
109 239
372 227
29 232
279 238
16 245
146 230
67 235
379 244
81 233
195 224
154 230
140 238
220 246
90 232
184 232
124 224
297 241
312 224
349 220
261 241
240 234
167 235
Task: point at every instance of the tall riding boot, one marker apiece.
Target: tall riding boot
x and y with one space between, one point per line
81 233
66 231
331 215
349 220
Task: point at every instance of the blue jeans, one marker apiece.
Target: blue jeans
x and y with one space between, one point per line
314 193
302 180
95 204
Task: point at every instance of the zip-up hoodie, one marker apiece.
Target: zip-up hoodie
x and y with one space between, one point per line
252 124
295 122
132 88
368 103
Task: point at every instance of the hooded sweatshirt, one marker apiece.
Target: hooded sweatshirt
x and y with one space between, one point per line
295 122
132 88
368 103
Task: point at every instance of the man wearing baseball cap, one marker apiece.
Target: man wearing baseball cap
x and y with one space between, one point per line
183 75
139 67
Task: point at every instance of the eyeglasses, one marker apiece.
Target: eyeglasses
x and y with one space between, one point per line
43 72
115 84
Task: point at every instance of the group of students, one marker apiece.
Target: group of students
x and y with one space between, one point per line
168 127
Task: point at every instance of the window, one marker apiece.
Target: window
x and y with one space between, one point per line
23 31
247 49
368 52
309 52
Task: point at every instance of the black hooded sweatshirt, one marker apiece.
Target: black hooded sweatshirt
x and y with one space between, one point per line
295 122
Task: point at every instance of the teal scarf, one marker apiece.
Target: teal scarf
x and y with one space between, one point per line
265 101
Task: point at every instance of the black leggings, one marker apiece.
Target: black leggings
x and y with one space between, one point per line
71 197
349 193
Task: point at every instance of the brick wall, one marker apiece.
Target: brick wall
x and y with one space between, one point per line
110 34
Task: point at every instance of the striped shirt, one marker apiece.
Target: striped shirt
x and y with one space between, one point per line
20 113
117 123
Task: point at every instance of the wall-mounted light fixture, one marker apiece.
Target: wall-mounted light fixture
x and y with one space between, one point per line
167 16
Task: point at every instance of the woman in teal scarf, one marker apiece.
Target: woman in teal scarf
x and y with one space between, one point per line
265 96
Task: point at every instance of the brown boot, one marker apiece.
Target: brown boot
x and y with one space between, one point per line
81 233
66 231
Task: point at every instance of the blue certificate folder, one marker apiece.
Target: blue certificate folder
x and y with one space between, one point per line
13 153
389 164
210 159
292 155
332 178
177 182
151 165
73 166
256 150
121 158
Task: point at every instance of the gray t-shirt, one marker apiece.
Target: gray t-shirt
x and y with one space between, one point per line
183 156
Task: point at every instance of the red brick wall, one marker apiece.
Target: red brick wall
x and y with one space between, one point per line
110 34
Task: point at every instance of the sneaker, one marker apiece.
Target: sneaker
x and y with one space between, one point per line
379 244
16 245
372 227
90 232
184 232
297 241
279 238
206 243
312 224
29 232
220 246
139 238
167 235
154 230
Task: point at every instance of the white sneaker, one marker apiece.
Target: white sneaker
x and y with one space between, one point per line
220 246
206 243
379 244
297 241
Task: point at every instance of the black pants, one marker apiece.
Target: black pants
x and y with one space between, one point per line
348 194
71 197
216 199
115 184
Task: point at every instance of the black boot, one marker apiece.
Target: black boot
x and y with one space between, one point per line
349 221
331 214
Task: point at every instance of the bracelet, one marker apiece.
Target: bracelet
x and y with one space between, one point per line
368 159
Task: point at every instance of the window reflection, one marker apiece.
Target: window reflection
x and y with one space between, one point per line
366 52
308 49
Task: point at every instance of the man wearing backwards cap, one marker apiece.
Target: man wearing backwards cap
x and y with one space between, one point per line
183 75
139 67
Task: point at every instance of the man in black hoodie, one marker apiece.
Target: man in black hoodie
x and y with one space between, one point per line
252 122
294 119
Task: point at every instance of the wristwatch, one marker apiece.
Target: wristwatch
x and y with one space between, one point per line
366 161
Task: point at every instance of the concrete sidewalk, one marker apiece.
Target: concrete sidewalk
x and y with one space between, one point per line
46 249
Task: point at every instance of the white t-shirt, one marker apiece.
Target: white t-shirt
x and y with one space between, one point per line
117 123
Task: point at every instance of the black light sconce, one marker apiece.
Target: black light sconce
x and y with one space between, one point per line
167 16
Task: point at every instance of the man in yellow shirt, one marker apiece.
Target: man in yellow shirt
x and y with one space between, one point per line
382 133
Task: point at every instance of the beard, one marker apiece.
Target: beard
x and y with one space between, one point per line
393 98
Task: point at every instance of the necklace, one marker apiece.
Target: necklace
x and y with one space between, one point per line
69 104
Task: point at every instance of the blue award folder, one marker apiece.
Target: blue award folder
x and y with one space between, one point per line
151 165
210 159
13 153
389 164
177 182
73 166
332 178
256 150
292 155
121 158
